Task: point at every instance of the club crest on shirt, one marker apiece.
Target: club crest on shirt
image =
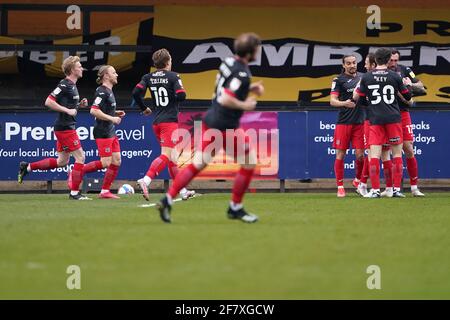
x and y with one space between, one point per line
235 84
333 85
56 91
97 100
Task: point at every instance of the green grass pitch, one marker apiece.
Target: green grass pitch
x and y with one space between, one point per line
305 246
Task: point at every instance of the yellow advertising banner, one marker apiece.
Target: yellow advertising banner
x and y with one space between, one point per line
303 47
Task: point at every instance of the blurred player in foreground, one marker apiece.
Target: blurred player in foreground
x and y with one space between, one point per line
230 100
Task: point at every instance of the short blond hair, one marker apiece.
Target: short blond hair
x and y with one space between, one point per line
68 64
101 73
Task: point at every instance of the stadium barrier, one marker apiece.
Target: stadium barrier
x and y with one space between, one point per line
298 146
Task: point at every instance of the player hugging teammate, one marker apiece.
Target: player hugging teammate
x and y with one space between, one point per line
349 127
382 87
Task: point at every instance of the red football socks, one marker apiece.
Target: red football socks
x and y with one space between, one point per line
374 172
365 172
173 169
339 172
110 176
398 171
413 171
44 164
77 176
182 179
92 166
388 174
241 183
359 165
157 166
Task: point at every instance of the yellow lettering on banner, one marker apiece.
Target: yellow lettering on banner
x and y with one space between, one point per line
339 25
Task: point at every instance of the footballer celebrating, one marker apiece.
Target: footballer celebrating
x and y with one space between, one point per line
349 127
106 117
167 92
417 88
381 87
65 100
231 99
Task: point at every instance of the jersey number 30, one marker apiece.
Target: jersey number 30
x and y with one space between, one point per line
388 94
160 96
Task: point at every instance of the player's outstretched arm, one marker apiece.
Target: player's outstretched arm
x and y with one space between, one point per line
417 87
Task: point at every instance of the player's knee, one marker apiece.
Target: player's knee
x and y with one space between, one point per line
340 154
62 162
106 162
408 149
116 161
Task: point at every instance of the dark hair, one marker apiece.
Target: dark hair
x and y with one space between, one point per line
382 56
246 44
161 58
371 57
345 57
395 51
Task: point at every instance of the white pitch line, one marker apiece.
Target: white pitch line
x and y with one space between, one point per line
154 204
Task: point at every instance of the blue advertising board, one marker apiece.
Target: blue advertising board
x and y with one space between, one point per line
29 137
311 132
305 149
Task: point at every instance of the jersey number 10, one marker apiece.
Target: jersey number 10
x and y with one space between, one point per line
160 96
